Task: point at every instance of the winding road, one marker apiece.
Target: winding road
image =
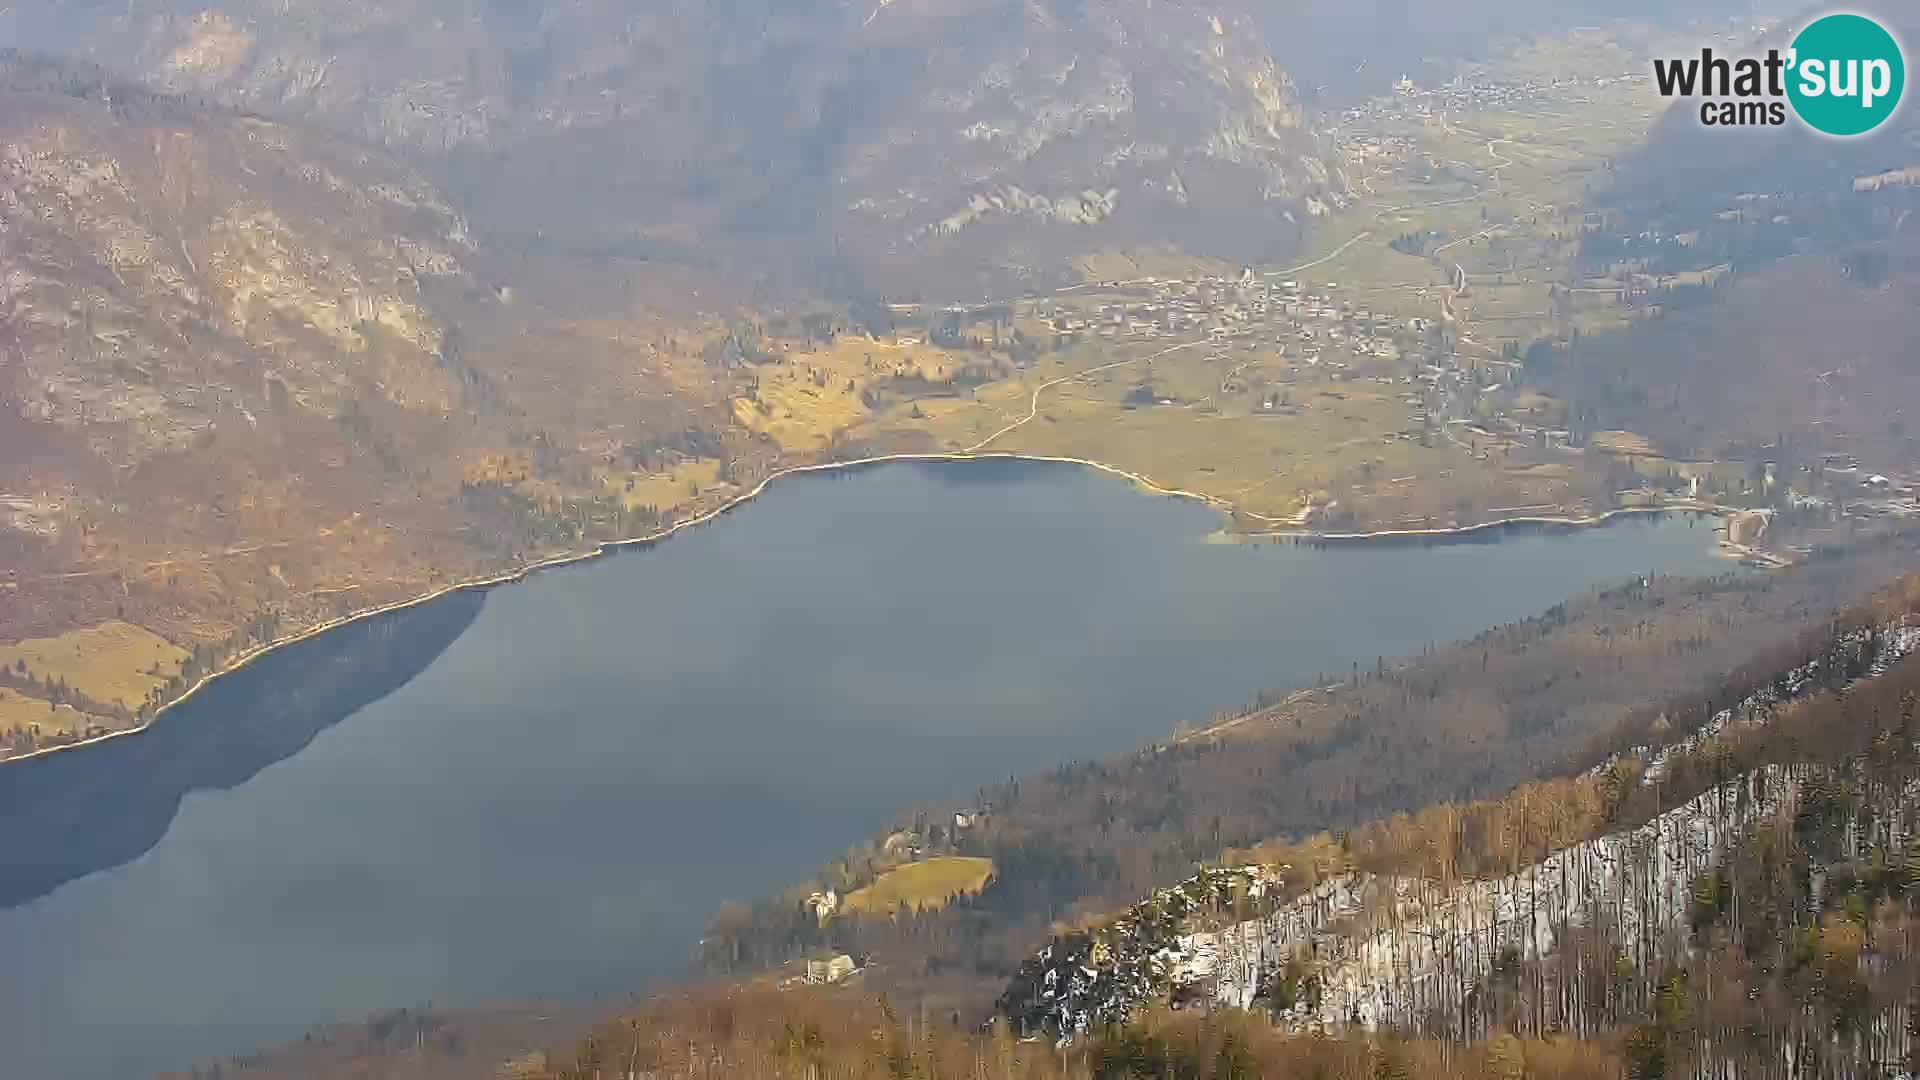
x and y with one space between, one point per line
1328 257
1033 403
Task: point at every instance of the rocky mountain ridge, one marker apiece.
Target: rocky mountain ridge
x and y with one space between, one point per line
131 268
1370 951
867 140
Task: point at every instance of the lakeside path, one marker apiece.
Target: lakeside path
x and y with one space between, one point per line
1679 506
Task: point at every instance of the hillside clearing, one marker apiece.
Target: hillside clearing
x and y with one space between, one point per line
115 663
923 886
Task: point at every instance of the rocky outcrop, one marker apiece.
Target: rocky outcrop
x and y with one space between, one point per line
1372 951
893 135
164 268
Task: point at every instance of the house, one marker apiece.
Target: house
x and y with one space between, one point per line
823 904
1747 528
827 970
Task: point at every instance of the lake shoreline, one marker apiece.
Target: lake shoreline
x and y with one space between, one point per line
608 547
1546 522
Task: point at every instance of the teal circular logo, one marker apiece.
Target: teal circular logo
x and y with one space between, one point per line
1847 75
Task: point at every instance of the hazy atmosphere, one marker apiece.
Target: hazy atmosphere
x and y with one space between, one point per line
959 538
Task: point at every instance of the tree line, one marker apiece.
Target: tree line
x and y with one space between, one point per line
1545 696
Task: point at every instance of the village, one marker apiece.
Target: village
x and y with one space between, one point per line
1308 327
1401 365
1470 93
1269 332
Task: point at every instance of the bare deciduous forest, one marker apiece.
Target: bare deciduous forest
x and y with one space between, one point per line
1547 696
1798 957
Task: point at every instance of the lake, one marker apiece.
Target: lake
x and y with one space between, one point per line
545 788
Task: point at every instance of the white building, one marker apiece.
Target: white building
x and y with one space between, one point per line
827 970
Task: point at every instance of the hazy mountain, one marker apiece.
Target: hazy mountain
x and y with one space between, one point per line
1802 345
1354 48
1684 164
895 134
167 264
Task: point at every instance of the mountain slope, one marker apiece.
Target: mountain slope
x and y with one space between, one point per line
843 142
150 245
1357 48
251 377
1407 947
1084 126
1795 347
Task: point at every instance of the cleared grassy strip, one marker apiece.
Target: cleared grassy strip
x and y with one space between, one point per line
923 886
114 662
19 712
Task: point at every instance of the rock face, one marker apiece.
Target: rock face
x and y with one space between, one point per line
864 138
1084 126
219 336
167 269
1390 952
1372 951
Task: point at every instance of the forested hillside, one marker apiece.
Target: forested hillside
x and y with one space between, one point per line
1716 863
1765 926
1552 694
1410 922
1793 270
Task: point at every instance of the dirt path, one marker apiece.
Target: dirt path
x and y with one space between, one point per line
1328 257
1033 403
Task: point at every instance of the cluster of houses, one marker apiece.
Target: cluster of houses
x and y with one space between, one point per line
1861 492
1311 324
1368 154
1467 93
1838 487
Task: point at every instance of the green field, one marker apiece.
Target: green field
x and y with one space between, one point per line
923 886
115 663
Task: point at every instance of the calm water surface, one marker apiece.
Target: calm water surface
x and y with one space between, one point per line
544 789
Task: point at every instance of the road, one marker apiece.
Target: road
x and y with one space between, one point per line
1033 404
1328 257
1464 240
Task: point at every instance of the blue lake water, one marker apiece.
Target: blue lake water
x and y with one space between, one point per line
544 789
